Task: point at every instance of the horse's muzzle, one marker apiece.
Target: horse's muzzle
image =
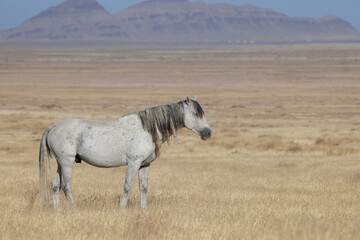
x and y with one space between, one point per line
205 133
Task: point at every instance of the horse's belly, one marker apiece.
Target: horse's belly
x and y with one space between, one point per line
102 156
105 163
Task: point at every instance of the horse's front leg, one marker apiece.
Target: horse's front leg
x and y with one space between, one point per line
133 167
143 184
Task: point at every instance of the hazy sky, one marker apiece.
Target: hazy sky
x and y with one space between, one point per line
14 12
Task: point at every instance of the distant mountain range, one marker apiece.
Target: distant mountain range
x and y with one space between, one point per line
177 21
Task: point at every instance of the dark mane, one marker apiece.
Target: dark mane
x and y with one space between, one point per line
199 111
165 118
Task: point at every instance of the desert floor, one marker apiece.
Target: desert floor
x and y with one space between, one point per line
283 161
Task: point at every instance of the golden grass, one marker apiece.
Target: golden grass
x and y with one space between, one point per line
283 162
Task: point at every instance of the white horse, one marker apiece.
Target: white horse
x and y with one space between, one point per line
134 140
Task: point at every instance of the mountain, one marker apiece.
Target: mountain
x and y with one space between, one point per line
181 20
178 21
72 19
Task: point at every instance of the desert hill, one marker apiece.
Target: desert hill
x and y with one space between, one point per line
177 21
72 19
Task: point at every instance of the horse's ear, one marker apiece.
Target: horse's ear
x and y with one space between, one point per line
195 98
187 100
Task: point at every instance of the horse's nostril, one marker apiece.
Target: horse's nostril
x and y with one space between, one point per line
205 133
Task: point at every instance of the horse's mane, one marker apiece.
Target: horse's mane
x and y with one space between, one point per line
199 111
166 119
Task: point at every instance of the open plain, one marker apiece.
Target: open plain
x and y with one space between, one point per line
283 161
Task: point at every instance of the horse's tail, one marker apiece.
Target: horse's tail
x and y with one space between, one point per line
44 168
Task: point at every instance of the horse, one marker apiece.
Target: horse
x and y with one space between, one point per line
134 140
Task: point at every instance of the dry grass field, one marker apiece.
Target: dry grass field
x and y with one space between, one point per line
283 162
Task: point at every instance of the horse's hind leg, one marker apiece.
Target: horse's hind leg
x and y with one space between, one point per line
66 172
55 185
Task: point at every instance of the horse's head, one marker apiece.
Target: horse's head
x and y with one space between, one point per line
194 119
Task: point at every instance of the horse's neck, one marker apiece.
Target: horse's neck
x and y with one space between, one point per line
161 138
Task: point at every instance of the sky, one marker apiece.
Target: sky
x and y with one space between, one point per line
14 12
